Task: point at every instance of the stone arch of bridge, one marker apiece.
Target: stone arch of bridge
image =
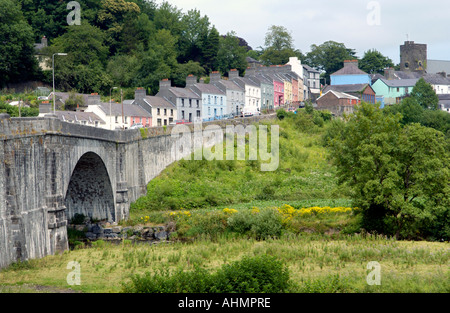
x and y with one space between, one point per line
90 190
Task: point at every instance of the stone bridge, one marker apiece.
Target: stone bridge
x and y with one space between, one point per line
50 170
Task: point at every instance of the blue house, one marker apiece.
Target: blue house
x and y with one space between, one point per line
350 74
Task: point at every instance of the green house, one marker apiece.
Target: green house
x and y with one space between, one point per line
394 90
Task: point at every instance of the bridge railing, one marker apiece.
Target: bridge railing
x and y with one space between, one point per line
38 126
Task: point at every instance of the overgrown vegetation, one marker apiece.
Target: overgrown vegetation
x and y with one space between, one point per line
303 174
259 274
398 174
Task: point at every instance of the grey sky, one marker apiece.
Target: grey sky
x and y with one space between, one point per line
352 22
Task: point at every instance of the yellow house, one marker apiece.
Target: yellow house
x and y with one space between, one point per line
287 91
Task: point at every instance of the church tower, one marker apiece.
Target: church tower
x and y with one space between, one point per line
413 57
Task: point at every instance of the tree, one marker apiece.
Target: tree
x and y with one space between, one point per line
85 44
424 94
279 46
398 175
73 101
194 36
231 55
17 60
329 57
210 49
183 70
374 62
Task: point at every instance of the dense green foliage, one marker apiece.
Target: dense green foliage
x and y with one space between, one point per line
399 175
329 57
260 274
125 43
16 50
303 173
374 62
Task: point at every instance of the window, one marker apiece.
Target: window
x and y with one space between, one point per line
159 121
182 103
209 110
171 112
198 103
190 103
170 119
158 111
215 99
215 112
165 122
182 115
190 117
165 112
198 113
117 119
209 99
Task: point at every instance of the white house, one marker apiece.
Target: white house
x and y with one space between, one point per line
252 92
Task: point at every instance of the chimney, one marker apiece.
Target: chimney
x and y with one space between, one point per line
351 63
215 77
139 94
191 80
250 72
389 73
164 84
44 41
94 99
233 73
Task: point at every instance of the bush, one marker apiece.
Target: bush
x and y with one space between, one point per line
261 274
261 225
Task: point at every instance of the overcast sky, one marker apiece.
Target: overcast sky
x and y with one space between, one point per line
359 24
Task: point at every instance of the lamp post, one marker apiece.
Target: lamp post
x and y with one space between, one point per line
110 113
53 67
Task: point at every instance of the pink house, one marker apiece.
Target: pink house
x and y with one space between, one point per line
278 92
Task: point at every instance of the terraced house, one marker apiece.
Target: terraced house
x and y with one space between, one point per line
252 92
188 104
235 94
214 100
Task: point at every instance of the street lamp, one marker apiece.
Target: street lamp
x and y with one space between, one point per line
53 67
110 122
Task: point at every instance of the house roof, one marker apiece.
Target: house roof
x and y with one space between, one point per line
209 88
69 116
183 93
346 88
158 102
349 69
340 95
399 82
230 85
310 69
245 81
128 109
436 79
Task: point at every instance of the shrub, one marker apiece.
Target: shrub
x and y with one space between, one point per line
263 224
261 274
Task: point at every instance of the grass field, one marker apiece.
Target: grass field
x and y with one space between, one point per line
323 252
317 263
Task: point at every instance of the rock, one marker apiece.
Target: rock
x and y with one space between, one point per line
117 229
162 235
107 231
91 236
97 229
